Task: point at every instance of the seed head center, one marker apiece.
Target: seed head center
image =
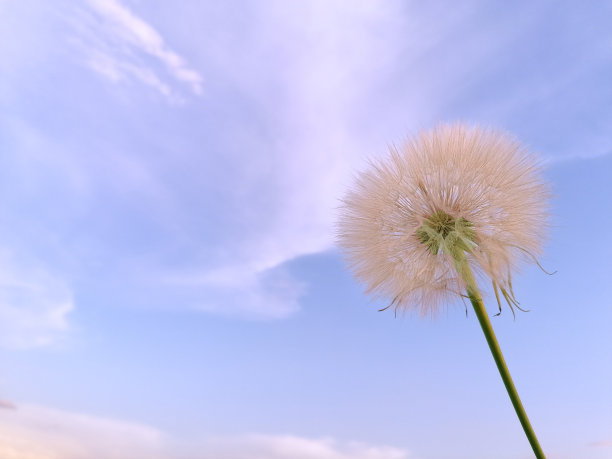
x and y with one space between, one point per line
443 231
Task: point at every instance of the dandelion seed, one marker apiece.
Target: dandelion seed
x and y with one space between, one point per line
480 187
450 201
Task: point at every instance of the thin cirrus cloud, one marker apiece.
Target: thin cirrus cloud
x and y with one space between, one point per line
37 432
287 172
601 444
296 447
284 190
120 45
304 98
34 305
7 405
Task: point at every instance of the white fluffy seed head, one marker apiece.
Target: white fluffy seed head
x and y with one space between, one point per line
483 176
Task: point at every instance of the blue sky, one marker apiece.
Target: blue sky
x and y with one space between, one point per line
169 179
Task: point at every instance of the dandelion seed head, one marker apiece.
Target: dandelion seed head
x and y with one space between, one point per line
479 187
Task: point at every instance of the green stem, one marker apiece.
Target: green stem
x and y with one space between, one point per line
463 268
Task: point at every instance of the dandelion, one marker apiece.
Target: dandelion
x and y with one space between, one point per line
451 201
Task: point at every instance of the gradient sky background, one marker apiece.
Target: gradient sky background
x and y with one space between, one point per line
169 177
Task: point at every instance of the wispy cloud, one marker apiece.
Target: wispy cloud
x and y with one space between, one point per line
36 432
121 46
7 405
297 447
34 305
601 444
575 156
242 292
309 98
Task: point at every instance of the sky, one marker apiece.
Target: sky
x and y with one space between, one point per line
170 177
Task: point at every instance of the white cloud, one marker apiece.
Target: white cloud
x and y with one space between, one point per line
310 69
122 46
242 292
34 305
296 447
601 444
7 405
36 432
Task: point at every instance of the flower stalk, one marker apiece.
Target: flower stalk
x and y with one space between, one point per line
455 237
464 270
412 220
